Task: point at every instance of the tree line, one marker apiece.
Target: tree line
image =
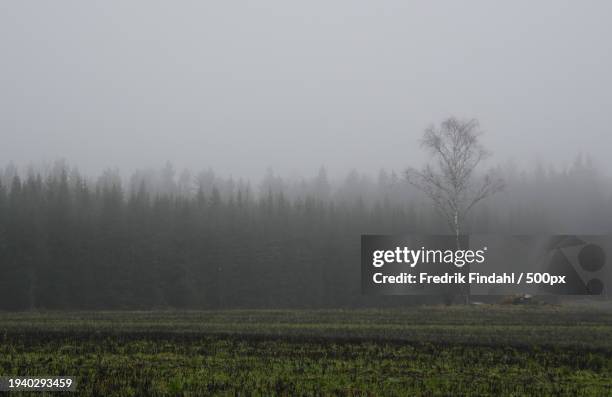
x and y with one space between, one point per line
158 241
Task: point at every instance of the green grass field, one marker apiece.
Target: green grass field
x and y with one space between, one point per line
476 350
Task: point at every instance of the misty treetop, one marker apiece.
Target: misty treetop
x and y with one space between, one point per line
156 239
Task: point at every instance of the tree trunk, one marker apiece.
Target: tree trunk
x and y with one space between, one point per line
464 288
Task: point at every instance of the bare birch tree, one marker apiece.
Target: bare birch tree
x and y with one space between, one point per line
450 180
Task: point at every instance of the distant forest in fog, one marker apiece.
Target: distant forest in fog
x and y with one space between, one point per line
195 240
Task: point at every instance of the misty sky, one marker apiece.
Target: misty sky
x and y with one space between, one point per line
242 86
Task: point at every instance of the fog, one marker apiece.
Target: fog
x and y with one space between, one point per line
246 86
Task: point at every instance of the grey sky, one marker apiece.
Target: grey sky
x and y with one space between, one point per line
243 86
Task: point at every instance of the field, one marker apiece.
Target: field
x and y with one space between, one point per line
476 350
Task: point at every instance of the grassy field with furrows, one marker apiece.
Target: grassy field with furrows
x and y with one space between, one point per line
431 351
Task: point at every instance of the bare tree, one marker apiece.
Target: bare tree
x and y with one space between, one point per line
450 182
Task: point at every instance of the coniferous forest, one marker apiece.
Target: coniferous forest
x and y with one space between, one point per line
156 239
